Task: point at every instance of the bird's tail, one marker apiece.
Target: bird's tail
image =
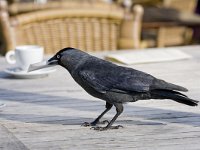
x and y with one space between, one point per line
174 95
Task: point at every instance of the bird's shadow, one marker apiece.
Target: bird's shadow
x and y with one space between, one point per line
153 116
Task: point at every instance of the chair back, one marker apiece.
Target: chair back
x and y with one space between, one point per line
89 30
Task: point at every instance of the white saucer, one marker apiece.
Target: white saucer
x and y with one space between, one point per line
18 73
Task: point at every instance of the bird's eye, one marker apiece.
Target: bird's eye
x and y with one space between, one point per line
58 56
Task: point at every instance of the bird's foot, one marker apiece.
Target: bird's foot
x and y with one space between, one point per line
88 124
106 128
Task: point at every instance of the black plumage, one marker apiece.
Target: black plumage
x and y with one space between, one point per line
115 84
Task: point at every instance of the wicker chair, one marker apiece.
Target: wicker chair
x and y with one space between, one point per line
86 29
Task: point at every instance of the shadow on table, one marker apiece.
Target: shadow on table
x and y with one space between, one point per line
151 116
4 75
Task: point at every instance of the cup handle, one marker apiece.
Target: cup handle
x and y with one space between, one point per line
10 57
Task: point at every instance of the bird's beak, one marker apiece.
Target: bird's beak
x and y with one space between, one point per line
52 61
45 64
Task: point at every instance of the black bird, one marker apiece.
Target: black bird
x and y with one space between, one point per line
115 84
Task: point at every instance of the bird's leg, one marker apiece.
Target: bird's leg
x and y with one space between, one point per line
119 109
96 121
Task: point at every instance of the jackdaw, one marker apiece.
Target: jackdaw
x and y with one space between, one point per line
115 84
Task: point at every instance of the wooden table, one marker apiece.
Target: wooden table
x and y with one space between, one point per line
47 113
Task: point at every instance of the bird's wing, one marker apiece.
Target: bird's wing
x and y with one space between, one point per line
116 79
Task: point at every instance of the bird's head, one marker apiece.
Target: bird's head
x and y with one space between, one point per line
56 59
68 58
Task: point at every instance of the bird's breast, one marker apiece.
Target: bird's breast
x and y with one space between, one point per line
87 88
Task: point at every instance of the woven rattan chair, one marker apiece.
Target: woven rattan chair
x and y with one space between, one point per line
86 29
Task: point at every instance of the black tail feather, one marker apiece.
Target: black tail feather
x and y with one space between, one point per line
174 95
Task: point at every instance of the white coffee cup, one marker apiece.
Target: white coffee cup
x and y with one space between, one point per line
25 55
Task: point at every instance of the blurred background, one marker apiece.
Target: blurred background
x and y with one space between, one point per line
98 25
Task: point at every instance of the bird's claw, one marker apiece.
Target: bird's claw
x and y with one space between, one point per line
88 124
106 128
116 127
99 128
